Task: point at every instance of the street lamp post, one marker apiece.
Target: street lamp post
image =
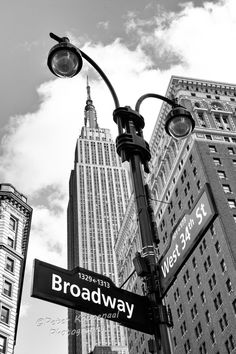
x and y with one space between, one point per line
65 60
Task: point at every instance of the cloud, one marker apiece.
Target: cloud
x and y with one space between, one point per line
196 41
103 24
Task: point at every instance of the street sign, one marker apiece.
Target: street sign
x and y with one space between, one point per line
185 237
90 292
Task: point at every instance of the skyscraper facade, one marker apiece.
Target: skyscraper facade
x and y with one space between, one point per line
15 221
202 291
98 196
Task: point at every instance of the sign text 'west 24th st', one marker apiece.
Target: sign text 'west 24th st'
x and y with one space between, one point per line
90 292
185 237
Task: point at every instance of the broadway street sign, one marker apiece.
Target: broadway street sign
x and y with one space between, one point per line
185 237
90 292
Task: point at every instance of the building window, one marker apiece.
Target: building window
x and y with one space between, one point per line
5 314
208 317
194 262
212 148
183 328
201 249
207 264
176 295
13 224
180 310
225 320
202 348
209 137
234 306
229 285
10 242
7 288
198 279
9 264
198 330
190 293
3 344
187 346
203 297
186 277
201 119
223 266
231 151
221 174
217 161
212 281
226 188
198 185
230 344
194 311
231 203
218 301
213 338
217 247
175 341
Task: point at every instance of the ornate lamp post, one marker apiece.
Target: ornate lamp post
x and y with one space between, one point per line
66 60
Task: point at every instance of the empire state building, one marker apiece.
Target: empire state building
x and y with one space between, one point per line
98 195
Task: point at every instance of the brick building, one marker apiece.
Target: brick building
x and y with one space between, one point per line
15 221
202 297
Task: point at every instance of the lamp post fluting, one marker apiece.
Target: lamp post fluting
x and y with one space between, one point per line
65 60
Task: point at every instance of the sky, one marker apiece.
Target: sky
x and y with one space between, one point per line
139 44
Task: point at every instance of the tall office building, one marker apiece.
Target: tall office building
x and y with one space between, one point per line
15 220
202 295
98 196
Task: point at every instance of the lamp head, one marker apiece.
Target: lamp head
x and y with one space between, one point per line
179 123
64 59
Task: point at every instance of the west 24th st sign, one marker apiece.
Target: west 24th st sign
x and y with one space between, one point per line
185 237
92 293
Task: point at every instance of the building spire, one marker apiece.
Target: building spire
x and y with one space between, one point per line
88 90
90 114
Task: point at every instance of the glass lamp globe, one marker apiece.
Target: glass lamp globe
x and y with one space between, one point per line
65 60
179 123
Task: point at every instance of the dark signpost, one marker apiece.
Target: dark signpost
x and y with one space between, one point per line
90 292
185 237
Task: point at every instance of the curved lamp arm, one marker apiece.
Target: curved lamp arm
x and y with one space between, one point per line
104 77
96 67
154 95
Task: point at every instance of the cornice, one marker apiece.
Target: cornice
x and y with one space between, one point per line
16 202
196 84
11 251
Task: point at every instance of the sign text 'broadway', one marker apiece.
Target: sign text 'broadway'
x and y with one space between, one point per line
92 293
